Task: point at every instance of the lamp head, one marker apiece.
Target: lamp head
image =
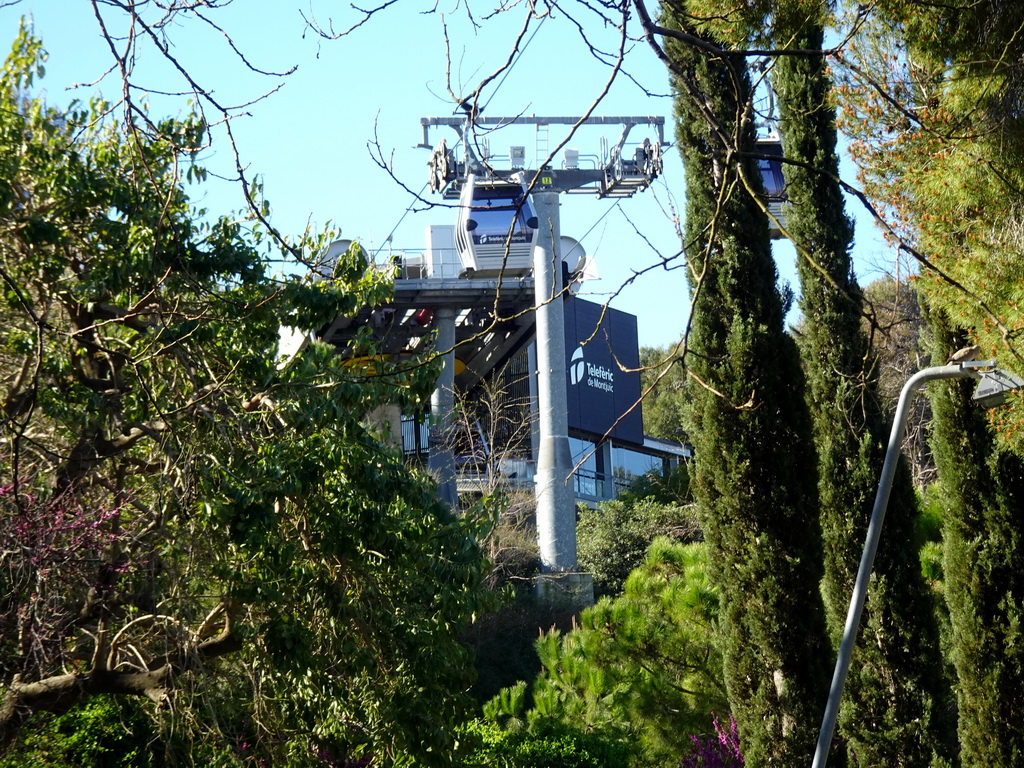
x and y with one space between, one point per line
995 386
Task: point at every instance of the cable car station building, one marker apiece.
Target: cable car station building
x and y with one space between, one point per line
495 440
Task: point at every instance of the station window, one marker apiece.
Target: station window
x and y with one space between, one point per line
628 463
588 461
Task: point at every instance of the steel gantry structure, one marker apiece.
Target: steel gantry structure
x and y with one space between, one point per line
615 174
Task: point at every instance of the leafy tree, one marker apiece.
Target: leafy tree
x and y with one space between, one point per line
669 488
938 144
895 325
754 481
178 508
663 381
893 708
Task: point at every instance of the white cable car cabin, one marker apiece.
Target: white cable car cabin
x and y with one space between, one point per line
774 181
496 229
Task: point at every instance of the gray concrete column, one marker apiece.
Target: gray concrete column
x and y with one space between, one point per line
556 511
531 362
441 463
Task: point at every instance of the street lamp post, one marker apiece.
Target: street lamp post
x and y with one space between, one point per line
990 392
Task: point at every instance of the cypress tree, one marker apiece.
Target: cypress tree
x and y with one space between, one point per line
755 470
893 706
983 560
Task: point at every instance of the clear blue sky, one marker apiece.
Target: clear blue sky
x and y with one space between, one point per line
308 142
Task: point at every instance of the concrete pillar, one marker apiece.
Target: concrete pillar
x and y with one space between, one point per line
556 510
441 463
531 362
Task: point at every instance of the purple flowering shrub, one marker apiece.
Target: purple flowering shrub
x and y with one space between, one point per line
718 750
56 555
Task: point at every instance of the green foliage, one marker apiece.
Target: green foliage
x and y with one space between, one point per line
555 746
884 724
612 540
950 182
242 522
663 381
670 488
928 530
983 554
754 479
642 669
105 733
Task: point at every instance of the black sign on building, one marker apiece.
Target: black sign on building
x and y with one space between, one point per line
600 342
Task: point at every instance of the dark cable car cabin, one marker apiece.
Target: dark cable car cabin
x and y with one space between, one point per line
774 181
496 229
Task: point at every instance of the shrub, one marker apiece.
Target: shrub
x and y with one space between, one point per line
553 746
511 545
106 732
613 539
720 750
